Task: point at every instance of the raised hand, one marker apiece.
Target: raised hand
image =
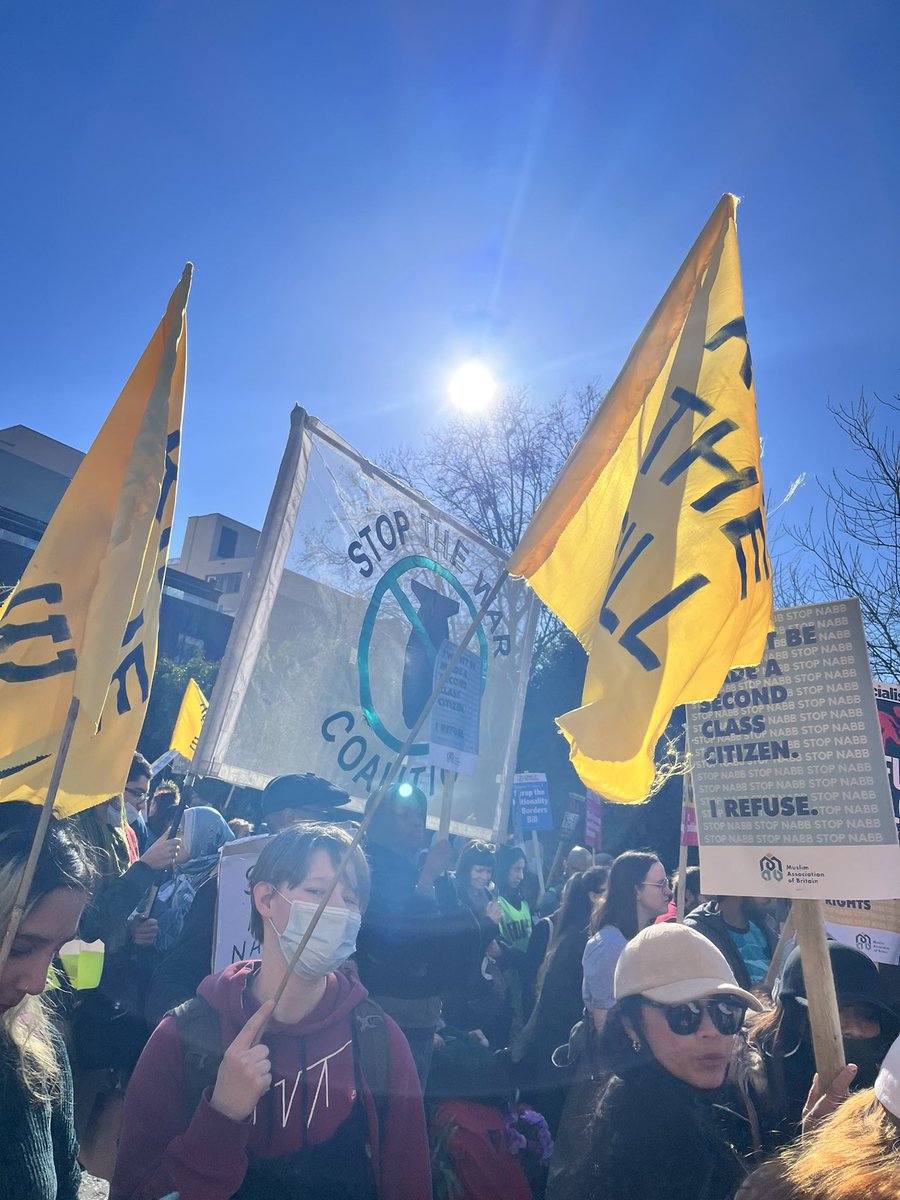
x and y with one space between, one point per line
245 1073
162 853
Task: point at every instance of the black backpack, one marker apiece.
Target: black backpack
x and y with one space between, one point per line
200 1037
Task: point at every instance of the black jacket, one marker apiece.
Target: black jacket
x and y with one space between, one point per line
656 1138
407 948
708 920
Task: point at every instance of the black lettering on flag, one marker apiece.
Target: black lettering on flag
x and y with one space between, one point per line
750 526
135 658
685 401
55 626
734 329
630 640
170 475
608 619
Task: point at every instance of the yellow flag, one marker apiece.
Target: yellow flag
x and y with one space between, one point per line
189 721
651 544
83 619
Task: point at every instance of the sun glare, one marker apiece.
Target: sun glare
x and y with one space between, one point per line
472 387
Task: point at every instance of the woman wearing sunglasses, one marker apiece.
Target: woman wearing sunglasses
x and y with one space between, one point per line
658 1133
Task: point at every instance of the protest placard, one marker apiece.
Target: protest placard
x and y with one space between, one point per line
887 700
593 821
531 798
688 824
791 796
233 941
872 926
456 714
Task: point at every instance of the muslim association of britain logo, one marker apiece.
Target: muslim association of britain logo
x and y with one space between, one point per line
770 868
863 942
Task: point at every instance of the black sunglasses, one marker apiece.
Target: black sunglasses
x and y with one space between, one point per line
726 1013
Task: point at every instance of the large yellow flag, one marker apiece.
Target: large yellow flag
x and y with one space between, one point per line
651 544
83 620
189 721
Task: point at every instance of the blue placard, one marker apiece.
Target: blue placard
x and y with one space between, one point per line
531 796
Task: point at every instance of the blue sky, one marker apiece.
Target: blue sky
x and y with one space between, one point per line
372 193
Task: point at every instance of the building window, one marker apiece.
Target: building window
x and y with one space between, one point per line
227 543
229 583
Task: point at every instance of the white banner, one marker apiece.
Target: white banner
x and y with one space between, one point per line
376 582
790 789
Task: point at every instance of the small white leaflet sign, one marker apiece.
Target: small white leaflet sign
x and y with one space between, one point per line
456 713
790 789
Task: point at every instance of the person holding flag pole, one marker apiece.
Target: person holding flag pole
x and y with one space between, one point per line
78 632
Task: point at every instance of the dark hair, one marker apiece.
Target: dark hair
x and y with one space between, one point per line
284 861
475 854
64 861
574 914
506 858
617 1050
619 905
691 881
139 766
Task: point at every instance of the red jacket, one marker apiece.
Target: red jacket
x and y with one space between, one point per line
204 1155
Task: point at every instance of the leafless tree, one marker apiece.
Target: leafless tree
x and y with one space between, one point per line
850 543
493 470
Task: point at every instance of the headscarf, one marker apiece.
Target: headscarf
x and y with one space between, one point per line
203 832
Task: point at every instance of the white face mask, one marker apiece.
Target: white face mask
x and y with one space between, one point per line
333 939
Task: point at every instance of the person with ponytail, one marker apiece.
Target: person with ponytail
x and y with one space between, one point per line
38 1148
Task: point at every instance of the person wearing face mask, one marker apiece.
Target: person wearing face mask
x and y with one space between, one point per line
782 1035
659 1133
324 1102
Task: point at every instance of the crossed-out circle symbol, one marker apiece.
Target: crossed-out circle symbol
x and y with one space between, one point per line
390 583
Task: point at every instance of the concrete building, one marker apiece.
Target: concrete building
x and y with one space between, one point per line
220 551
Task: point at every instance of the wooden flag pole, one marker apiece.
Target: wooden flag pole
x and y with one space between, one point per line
379 794
824 1020
687 799
40 833
446 804
556 866
536 846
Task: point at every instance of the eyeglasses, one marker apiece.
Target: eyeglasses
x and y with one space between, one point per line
726 1013
136 793
664 885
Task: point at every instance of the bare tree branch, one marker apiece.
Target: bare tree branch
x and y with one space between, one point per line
850 545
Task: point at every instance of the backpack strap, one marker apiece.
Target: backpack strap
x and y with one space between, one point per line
200 1037
373 1053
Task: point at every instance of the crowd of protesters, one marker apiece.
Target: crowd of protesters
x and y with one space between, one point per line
446 1030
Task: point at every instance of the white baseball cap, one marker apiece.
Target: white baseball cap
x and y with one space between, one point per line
673 964
887 1085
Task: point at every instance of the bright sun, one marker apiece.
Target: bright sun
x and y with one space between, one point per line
472 387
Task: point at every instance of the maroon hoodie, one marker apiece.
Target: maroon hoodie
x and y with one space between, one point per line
204 1155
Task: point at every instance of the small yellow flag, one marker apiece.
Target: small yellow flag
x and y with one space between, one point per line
84 617
651 544
189 721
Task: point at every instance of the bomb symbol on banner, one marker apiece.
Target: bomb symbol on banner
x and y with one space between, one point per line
435 611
